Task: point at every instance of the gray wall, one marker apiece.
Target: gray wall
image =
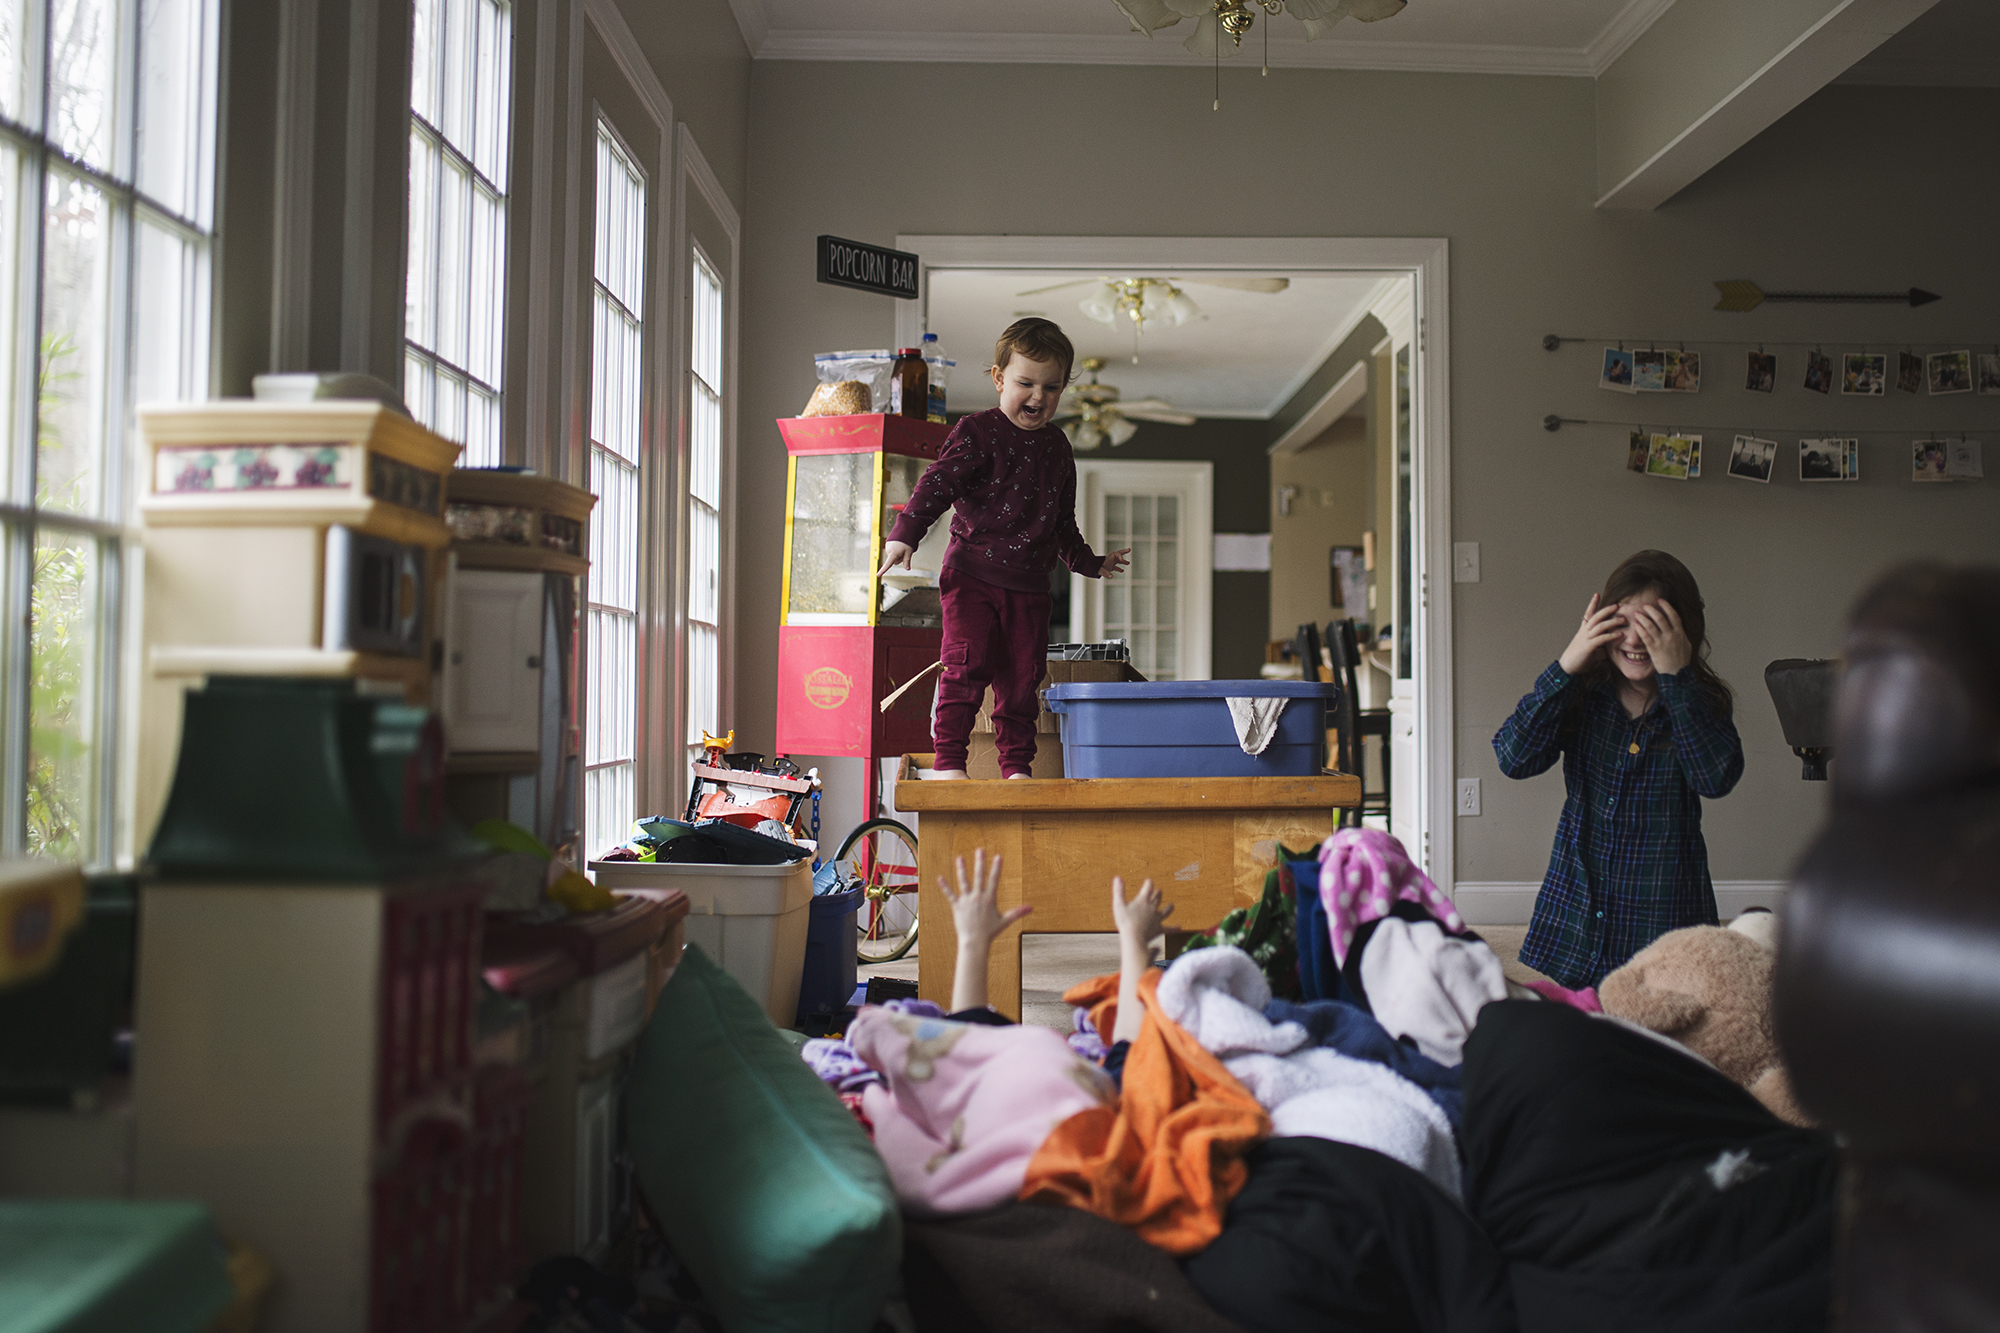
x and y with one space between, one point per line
1860 187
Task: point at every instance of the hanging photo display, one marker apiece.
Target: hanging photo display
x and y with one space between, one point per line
1909 372
1946 460
1819 372
1829 460
1864 373
1752 458
1649 371
1637 450
1617 372
1675 456
1763 374
1951 372
1989 372
1683 371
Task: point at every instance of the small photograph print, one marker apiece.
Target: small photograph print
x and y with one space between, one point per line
1751 458
1819 372
1951 372
1865 373
1909 372
1617 372
1853 460
1649 371
1989 372
1822 460
1683 372
1928 461
1763 376
1636 451
1668 457
1694 455
1961 461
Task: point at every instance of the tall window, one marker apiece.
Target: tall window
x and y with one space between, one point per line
704 509
617 435
461 102
107 114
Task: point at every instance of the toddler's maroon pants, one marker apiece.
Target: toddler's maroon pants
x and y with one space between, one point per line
992 636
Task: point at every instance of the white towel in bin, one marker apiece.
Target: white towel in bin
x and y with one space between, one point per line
1256 721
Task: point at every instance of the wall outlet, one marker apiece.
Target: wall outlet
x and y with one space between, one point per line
1468 796
1465 562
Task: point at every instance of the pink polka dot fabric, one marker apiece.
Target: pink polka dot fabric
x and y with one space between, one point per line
1362 871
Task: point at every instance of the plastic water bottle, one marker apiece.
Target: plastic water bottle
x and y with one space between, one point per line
940 370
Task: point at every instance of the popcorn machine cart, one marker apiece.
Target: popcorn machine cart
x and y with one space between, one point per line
846 639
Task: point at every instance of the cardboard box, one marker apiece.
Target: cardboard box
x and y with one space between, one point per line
1058 673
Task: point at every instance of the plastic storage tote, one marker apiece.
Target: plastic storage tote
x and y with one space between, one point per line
752 920
830 968
1182 729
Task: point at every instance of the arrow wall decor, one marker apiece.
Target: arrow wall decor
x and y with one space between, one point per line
1740 296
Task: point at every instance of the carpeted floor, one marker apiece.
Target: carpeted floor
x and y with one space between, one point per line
1051 964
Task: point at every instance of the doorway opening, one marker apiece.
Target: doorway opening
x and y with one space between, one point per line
1250 360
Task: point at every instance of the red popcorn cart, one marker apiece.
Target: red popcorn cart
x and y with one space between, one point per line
847 639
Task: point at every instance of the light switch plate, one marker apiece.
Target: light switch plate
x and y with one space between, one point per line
1468 796
1465 562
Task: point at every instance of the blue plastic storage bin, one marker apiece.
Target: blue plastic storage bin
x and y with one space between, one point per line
1181 729
829 975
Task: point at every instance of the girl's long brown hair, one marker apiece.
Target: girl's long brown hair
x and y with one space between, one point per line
1657 569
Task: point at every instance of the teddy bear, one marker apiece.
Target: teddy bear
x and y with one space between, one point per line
1709 988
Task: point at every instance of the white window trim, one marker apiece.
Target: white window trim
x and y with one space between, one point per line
1195 483
1428 260
696 175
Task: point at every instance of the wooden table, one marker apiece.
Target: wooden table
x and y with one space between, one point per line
1206 842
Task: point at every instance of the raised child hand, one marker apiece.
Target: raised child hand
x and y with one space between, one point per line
893 554
973 911
1601 625
1659 627
1115 563
1142 920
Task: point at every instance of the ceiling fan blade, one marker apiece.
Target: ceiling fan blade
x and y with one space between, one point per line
1149 405
1165 418
1080 282
1269 286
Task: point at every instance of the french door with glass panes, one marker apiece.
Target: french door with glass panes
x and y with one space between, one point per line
1160 605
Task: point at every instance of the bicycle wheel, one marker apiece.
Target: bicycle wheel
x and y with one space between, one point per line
882 855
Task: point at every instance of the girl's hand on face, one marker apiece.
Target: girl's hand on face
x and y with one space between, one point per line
1115 563
1601 626
973 910
1666 642
1142 920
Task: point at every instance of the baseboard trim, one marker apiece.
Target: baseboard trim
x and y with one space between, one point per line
1512 903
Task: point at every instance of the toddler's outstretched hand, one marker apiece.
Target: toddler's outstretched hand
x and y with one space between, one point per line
893 554
1141 920
1115 563
973 910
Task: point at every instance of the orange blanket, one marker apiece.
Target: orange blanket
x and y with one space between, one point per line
1168 1158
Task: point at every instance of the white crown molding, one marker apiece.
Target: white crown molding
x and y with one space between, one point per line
1622 31
1361 311
1513 903
754 18
998 48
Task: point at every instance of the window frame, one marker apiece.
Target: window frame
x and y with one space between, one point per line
108 522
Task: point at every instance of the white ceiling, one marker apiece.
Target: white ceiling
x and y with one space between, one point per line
1248 355
1573 37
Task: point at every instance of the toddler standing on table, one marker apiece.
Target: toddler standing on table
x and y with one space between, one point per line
1011 476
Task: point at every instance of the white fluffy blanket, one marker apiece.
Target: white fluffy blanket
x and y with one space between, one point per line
1218 995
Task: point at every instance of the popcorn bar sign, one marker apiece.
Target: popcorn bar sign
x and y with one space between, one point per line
868 268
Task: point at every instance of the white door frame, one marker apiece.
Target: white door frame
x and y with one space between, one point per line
1196 481
1426 260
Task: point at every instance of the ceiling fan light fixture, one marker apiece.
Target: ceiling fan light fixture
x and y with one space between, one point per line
1102 304
1180 309
1121 430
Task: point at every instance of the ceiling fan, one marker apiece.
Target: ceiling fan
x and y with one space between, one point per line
1151 300
1093 415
